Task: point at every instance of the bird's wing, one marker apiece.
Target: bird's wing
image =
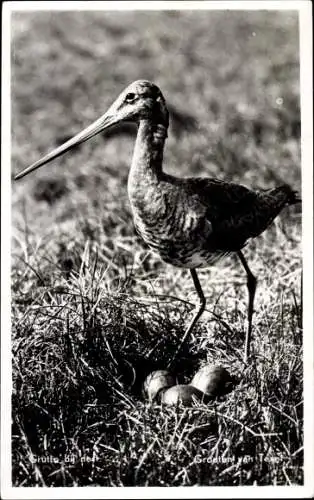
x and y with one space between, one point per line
235 212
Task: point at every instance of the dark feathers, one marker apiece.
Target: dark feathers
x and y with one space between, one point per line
235 212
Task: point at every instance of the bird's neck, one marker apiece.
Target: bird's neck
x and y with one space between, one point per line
148 154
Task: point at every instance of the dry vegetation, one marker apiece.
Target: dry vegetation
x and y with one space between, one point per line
93 311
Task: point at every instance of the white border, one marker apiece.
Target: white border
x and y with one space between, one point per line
7 491
306 96
6 367
162 5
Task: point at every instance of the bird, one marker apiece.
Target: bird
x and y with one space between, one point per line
190 222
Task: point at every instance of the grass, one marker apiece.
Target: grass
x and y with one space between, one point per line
93 311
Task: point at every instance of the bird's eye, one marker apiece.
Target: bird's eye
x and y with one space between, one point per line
130 97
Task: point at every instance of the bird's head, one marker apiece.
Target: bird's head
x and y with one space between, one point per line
141 100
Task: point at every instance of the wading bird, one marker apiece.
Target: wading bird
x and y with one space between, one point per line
188 222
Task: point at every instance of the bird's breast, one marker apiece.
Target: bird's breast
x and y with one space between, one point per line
173 231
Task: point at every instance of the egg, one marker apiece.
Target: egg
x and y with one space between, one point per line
157 381
213 380
182 393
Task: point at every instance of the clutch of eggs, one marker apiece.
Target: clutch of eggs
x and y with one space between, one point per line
208 382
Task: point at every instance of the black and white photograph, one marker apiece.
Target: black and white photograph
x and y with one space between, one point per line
157 190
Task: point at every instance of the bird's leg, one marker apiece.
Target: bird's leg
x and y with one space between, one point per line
251 286
199 310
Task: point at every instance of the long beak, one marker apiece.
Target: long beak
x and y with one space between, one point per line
105 121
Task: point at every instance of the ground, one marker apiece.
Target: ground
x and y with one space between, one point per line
93 311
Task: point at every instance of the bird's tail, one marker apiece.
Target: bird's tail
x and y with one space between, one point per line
286 194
